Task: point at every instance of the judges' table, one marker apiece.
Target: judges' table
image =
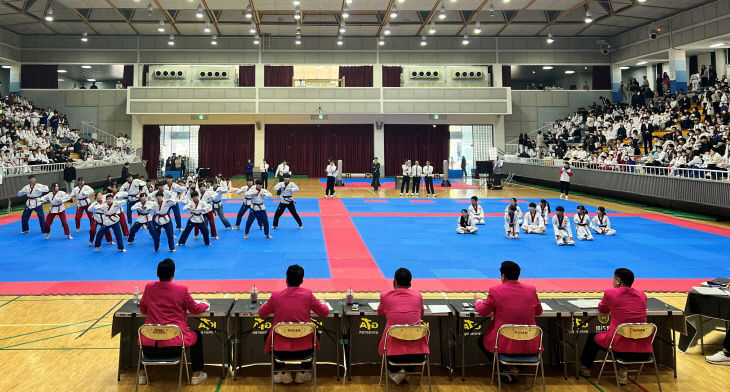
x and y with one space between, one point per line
365 328
470 328
704 312
586 320
213 325
251 331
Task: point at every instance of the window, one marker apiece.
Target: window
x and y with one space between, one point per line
181 140
474 142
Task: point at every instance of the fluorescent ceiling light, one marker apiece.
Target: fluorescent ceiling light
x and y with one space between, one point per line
642 63
624 68
59 71
717 45
86 66
570 71
8 67
547 67
91 80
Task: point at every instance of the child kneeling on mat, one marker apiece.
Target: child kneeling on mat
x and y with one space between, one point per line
466 224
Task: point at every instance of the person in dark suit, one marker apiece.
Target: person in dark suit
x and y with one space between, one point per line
69 175
249 169
375 172
125 172
646 134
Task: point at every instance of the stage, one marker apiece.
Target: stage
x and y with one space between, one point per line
359 242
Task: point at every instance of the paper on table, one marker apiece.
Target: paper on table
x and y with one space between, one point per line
439 308
374 305
545 307
710 291
329 306
586 303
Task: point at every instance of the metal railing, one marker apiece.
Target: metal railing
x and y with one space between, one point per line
512 147
89 131
690 173
54 167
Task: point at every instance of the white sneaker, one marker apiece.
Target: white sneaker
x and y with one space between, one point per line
285 378
142 379
199 379
397 377
719 358
566 197
302 377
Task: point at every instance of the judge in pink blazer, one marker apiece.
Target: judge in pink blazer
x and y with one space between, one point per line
509 303
624 304
167 303
293 304
402 306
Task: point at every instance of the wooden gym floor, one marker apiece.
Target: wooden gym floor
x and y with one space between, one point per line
43 346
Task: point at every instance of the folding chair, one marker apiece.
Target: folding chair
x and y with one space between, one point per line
508 180
518 333
408 333
295 331
159 332
633 331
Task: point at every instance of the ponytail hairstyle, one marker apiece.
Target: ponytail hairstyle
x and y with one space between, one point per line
543 201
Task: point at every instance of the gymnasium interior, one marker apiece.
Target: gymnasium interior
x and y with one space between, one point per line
410 129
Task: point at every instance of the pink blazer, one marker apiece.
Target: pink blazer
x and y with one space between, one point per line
511 303
625 305
293 304
401 306
168 303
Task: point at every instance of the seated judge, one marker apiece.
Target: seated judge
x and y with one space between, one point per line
293 304
509 303
624 304
166 303
402 306
722 357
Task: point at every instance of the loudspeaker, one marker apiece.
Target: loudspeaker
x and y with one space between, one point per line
483 167
204 172
379 125
258 125
490 167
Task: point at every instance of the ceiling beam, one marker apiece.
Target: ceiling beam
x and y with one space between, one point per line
430 17
165 13
473 16
562 15
79 14
211 16
386 17
121 15
42 19
509 22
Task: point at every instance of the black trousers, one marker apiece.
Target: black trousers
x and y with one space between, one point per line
330 190
490 354
375 183
429 185
196 352
287 355
648 145
405 184
726 342
292 209
416 183
405 358
564 187
265 179
591 349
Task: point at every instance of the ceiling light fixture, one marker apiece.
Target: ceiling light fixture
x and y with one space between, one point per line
348 1
394 12
49 15
387 29
624 68
86 66
491 9
465 41
423 40
59 71
91 80
381 41
61 80
85 37
8 67
149 9
345 12
249 12
588 18
214 40
342 28
570 72
297 13
256 39
546 67
296 2
339 40
432 28
206 29
717 45
171 41
161 27
199 12
478 28
550 38
442 12
252 28
299 39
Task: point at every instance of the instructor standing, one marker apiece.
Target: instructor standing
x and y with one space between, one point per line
375 172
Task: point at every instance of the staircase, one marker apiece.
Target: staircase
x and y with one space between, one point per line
89 131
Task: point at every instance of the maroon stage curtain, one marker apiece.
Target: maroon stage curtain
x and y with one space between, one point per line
39 76
151 148
225 148
506 76
278 75
307 147
128 78
391 76
420 142
601 77
357 76
246 76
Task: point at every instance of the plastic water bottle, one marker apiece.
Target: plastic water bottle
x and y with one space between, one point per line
135 298
350 298
254 294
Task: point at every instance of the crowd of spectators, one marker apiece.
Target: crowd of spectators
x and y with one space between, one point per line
668 133
33 136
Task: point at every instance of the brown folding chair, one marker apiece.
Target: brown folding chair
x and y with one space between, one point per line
407 333
159 332
295 331
633 331
518 333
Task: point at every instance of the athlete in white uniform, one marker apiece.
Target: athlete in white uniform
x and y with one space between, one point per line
476 212
33 191
161 220
56 198
82 192
198 209
561 227
287 189
512 223
258 210
533 223
144 208
582 221
465 225
513 202
601 224
246 204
